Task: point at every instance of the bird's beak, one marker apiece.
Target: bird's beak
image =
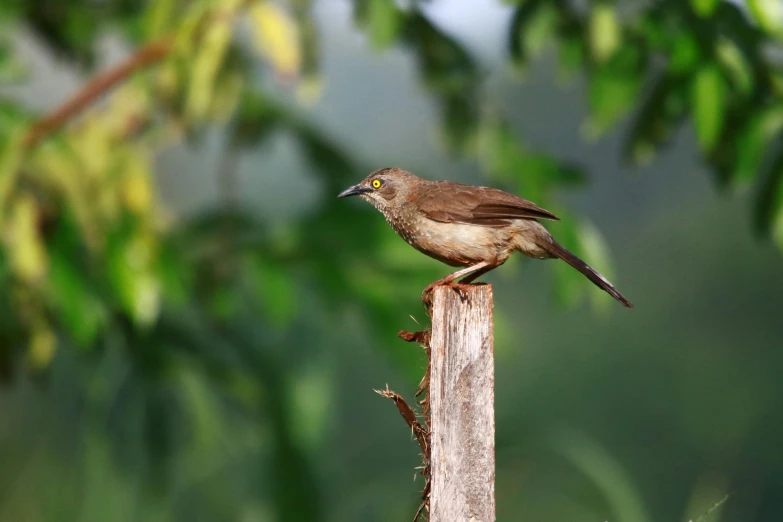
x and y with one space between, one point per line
354 191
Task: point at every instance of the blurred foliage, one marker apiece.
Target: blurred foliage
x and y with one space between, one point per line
91 263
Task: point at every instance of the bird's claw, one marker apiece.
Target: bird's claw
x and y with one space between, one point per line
426 295
463 296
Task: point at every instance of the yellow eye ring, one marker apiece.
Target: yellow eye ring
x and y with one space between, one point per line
376 183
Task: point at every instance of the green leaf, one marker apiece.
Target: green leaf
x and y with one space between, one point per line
605 31
533 25
539 29
685 54
78 307
130 265
708 98
734 62
704 8
519 23
614 89
384 20
570 54
753 142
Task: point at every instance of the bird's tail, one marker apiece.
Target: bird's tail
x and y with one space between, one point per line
557 250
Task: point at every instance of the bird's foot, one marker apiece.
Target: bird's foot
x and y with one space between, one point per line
459 288
426 295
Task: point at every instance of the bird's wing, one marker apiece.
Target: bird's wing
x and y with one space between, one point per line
457 203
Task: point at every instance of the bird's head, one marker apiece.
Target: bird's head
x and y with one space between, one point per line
384 188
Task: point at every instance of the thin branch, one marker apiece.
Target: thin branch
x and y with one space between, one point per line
422 435
410 417
420 431
95 88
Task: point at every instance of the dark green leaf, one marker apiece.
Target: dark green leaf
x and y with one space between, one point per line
661 114
686 53
615 88
520 21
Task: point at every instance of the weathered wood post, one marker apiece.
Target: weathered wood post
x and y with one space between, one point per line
462 406
455 428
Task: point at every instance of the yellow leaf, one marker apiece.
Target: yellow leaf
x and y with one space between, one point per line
128 105
26 248
57 163
206 66
228 92
136 190
605 30
167 79
43 342
92 142
186 36
277 38
159 17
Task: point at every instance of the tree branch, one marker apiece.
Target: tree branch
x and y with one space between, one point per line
95 88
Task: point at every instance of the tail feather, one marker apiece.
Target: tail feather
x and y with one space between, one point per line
557 250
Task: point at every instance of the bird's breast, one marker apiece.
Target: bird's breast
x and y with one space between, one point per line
455 244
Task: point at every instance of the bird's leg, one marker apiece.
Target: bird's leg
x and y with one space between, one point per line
475 275
449 279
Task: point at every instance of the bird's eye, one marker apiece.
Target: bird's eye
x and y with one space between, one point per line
376 183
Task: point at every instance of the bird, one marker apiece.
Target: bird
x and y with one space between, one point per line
473 227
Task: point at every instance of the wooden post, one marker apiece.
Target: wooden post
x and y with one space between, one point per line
462 406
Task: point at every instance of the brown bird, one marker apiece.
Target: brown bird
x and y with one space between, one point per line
463 225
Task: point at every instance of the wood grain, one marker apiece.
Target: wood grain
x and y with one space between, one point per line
462 398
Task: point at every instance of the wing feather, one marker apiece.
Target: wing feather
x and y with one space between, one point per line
449 202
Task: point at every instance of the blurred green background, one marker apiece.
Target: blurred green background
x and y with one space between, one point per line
191 325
